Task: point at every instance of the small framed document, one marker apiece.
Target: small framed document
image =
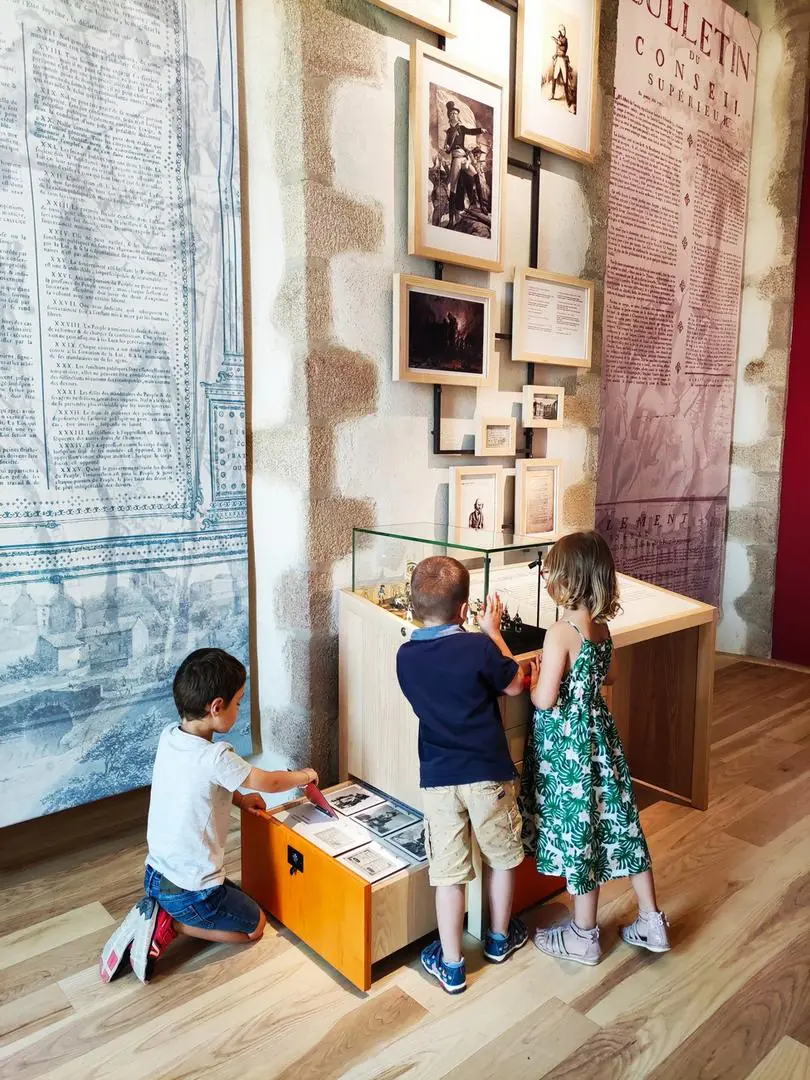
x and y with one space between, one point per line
543 406
537 498
552 319
373 862
496 436
441 16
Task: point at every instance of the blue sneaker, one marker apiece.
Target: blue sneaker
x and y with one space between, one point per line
451 976
499 947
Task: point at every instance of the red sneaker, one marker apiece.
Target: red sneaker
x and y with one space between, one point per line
163 935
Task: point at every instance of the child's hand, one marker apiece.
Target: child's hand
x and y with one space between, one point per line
253 801
490 619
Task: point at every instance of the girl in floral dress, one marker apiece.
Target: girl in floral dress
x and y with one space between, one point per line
581 819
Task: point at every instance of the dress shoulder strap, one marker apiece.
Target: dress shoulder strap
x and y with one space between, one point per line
569 623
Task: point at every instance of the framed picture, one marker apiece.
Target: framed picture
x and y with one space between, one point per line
496 436
373 862
476 498
555 81
438 15
352 799
458 131
543 406
552 319
443 333
537 498
411 840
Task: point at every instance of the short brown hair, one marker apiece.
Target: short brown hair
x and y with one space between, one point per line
581 573
439 586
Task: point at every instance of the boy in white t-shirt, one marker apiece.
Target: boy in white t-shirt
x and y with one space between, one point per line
194 782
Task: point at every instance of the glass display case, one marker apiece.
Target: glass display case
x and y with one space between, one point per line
384 557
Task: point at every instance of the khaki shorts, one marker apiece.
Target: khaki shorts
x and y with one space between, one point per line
490 810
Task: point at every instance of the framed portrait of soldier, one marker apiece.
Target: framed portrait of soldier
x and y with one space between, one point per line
444 333
441 16
458 132
556 76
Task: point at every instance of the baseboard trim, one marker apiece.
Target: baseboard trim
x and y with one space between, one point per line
70 830
728 659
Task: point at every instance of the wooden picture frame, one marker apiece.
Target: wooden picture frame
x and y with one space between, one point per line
552 319
549 417
506 426
457 189
427 315
559 39
471 485
441 16
538 498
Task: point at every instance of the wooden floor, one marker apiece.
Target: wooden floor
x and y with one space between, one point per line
731 1001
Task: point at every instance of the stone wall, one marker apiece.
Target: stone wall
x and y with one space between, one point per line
335 442
765 323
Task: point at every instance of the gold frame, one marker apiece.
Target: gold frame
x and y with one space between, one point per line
447 28
482 423
528 420
401 332
522 467
519 352
457 474
417 172
536 138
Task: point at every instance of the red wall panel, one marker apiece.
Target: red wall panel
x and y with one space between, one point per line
791 615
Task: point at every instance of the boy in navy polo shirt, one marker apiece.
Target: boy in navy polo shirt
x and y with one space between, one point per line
453 680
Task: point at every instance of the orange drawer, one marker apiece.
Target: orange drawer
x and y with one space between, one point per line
346 920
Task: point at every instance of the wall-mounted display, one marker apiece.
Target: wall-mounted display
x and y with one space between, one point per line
438 15
552 319
443 332
555 82
458 130
543 406
496 436
476 498
537 498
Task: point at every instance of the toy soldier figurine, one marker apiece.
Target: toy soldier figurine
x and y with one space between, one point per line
560 62
455 144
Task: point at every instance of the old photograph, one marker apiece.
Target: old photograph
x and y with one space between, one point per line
373 862
386 818
443 332
458 133
334 836
411 840
352 799
475 502
543 406
555 86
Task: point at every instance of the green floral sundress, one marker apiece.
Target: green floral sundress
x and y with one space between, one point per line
580 816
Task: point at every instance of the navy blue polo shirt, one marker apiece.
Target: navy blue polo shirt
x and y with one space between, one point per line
453 680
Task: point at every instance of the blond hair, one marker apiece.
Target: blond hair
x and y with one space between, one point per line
581 574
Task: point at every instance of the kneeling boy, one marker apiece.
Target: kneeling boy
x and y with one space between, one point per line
194 783
453 680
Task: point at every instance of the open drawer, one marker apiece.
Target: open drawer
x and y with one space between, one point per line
346 920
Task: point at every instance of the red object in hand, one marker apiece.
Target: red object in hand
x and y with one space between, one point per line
527 681
313 793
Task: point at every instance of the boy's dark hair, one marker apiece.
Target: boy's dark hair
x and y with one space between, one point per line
439 586
204 676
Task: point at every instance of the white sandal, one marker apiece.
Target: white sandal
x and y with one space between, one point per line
649 931
568 942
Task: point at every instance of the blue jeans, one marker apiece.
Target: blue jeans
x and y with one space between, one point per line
224 907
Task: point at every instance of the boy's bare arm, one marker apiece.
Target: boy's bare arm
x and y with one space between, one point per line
490 624
273 782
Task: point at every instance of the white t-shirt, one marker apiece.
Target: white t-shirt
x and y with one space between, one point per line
192 786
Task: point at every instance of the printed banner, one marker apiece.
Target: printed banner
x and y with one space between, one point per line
123 532
683 110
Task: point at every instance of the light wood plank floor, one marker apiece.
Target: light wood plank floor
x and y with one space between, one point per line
732 1000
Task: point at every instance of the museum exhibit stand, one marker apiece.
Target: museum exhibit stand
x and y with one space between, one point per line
661 701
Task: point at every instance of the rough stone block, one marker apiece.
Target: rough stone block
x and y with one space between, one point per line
282 452
336 223
336 45
342 385
753 524
331 521
579 503
303 600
